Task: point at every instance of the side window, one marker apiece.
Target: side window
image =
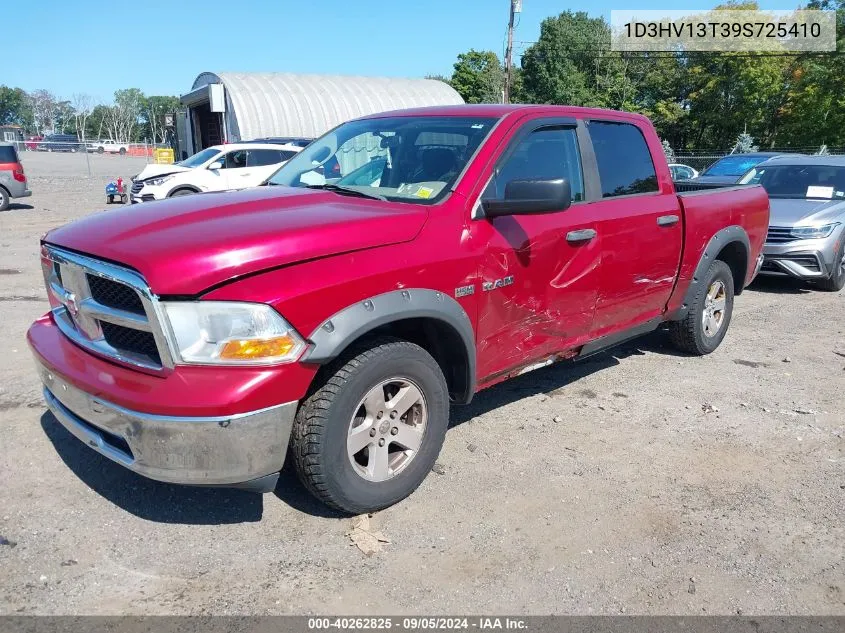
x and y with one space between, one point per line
624 162
547 153
236 159
264 157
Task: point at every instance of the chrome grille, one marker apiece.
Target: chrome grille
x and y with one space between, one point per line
137 186
779 235
106 309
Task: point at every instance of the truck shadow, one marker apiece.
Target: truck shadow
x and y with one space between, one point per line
553 377
148 499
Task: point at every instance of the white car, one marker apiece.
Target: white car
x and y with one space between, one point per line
682 172
108 146
217 168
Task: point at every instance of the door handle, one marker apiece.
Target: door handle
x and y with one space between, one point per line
581 235
668 220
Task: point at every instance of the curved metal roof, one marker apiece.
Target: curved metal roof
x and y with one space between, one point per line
288 104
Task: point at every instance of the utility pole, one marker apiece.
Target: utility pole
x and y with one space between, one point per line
509 53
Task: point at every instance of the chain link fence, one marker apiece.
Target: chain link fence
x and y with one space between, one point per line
701 160
90 158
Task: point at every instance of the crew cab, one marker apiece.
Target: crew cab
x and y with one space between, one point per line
216 168
200 340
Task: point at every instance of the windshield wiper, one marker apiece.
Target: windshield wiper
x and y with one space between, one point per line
346 191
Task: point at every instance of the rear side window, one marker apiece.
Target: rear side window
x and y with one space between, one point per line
546 154
625 165
265 157
8 154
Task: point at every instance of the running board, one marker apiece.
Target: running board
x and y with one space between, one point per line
612 340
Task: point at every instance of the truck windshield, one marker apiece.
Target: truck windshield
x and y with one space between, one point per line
199 158
408 159
826 182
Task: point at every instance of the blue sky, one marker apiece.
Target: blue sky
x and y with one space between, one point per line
160 46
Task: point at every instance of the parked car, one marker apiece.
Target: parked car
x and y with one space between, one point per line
59 143
729 169
806 238
299 141
12 177
682 172
31 142
108 146
194 342
218 168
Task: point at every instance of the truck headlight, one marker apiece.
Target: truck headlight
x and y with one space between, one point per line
155 182
813 232
229 333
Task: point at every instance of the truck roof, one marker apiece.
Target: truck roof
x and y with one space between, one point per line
499 110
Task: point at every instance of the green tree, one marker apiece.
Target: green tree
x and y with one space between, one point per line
478 77
153 109
15 108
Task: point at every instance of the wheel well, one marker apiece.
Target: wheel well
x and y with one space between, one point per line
183 188
735 256
8 193
440 340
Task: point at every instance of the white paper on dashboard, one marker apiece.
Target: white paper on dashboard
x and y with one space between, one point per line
819 192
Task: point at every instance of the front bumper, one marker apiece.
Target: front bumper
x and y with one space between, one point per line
801 259
226 450
202 438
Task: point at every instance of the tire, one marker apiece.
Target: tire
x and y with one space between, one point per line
836 281
181 192
122 151
4 199
696 335
100 150
109 199
336 408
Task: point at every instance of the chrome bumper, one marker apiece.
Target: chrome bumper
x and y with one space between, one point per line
225 451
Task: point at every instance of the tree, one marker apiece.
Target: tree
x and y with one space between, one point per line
153 110
478 77
668 151
96 122
15 108
64 117
83 105
43 104
438 77
744 144
122 117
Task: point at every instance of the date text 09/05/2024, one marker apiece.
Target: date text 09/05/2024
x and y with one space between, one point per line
417 623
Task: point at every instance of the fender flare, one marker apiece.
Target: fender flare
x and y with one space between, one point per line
721 239
344 327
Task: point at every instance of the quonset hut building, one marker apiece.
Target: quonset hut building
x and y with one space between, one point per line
233 107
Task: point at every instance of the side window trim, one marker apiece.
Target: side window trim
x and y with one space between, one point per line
656 192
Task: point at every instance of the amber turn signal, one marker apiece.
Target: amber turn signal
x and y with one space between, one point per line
254 349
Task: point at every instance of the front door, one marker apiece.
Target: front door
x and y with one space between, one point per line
538 272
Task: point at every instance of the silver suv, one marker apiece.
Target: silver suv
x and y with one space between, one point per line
806 237
12 179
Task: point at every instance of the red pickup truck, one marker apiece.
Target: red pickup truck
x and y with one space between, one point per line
336 318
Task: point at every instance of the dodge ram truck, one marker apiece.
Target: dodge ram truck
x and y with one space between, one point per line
333 316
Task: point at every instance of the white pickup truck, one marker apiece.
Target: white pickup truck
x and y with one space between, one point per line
108 146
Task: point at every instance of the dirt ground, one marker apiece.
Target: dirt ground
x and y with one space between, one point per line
669 485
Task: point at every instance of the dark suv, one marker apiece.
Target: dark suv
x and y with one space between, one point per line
12 178
59 143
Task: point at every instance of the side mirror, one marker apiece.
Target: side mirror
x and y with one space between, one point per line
527 197
218 164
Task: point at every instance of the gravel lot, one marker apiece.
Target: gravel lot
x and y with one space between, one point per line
669 485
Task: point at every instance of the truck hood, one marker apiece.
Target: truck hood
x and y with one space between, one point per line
790 211
184 245
151 171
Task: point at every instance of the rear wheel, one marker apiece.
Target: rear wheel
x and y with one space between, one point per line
836 281
4 199
100 150
122 151
706 323
371 431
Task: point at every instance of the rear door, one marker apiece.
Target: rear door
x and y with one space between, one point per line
263 163
538 273
640 224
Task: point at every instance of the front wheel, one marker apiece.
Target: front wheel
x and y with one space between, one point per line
706 323
122 151
371 431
